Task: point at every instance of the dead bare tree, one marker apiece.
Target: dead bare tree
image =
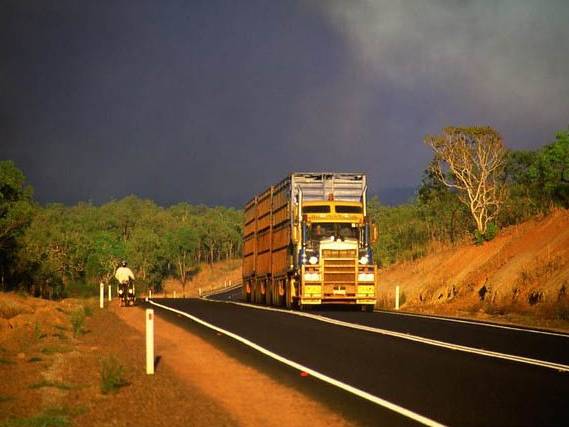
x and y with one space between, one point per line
471 160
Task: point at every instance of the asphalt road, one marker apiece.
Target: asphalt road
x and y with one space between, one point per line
537 344
450 387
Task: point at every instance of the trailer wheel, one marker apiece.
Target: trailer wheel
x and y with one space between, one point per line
247 287
281 299
288 294
268 293
254 292
263 295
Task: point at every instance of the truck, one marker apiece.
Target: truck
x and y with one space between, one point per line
308 241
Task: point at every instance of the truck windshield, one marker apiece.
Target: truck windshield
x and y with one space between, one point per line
327 230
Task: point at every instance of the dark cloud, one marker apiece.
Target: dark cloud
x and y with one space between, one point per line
210 101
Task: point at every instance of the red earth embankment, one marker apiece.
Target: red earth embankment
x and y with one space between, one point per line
522 275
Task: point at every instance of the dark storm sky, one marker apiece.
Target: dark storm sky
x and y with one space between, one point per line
211 101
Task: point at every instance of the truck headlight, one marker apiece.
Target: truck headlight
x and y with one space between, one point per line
313 260
364 260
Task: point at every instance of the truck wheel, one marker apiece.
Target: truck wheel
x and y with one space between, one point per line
262 296
288 294
281 299
268 293
254 294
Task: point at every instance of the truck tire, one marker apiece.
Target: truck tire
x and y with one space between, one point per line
288 294
268 293
257 293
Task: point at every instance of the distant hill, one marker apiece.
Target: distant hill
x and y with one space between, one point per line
524 271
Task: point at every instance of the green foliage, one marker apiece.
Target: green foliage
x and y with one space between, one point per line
112 375
537 180
53 349
68 251
491 233
78 321
88 310
37 332
16 211
551 170
58 416
403 234
105 254
41 420
446 218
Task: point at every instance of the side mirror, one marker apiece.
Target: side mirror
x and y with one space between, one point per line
374 233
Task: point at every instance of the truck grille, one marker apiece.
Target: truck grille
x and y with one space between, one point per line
340 269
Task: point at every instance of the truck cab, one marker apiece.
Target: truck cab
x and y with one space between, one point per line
335 256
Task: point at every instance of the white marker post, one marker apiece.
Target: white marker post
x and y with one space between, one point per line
109 293
149 341
397 298
174 294
200 291
102 295
149 293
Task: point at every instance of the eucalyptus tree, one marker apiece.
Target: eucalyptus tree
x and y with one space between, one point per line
181 243
471 160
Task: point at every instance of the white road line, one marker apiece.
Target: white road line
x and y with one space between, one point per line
488 353
449 319
346 387
471 322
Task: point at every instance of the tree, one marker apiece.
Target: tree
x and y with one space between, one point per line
525 198
145 251
471 161
181 243
551 170
104 257
446 217
16 211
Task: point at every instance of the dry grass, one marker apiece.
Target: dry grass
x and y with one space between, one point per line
522 275
10 308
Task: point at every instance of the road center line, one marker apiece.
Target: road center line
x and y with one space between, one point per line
346 387
488 353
